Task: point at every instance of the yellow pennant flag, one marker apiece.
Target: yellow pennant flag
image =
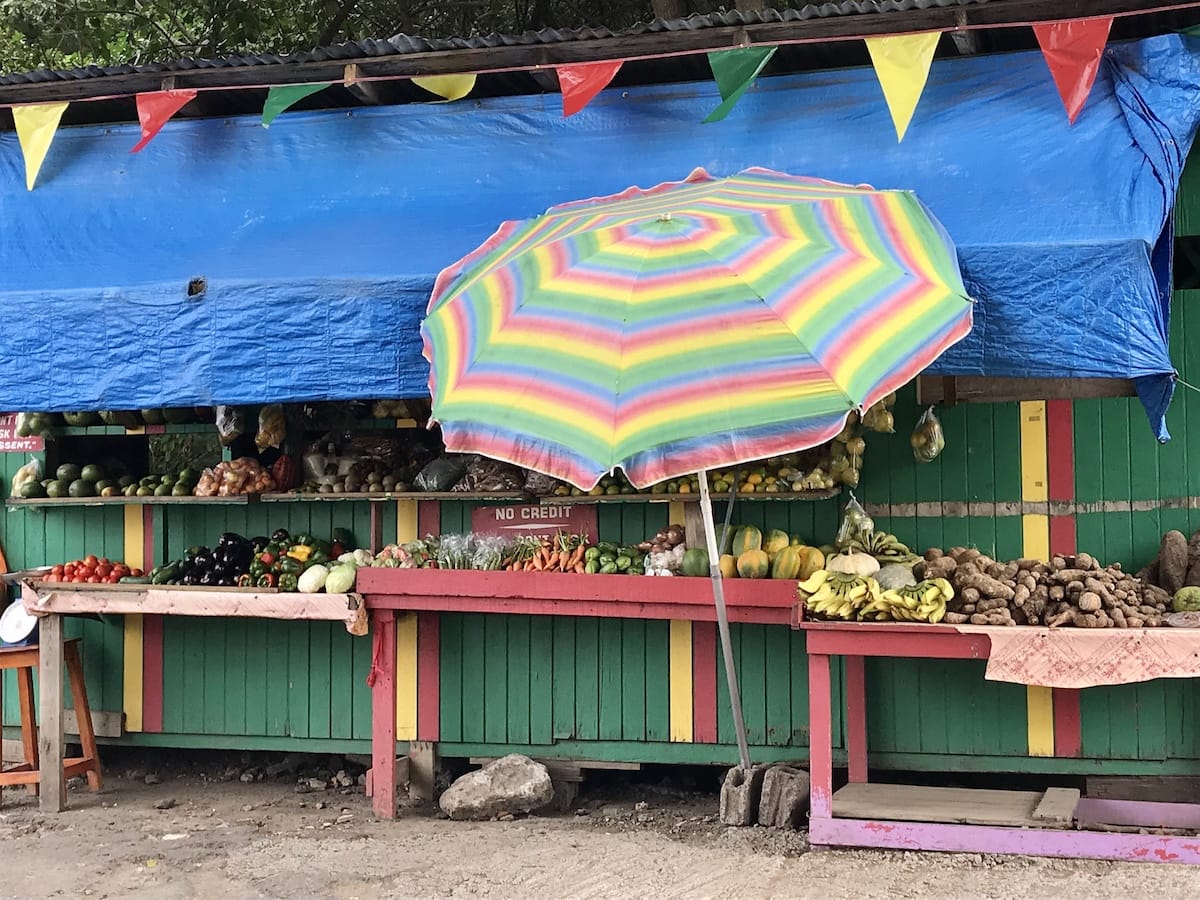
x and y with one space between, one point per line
451 87
36 125
902 66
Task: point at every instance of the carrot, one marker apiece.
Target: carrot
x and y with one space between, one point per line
577 555
579 568
537 564
564 559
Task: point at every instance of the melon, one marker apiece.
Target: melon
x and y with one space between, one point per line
753 564
728 566
695 563
786 564
745 539
774 541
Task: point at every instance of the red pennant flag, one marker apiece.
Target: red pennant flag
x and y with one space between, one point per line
579 84
155 108
1073 51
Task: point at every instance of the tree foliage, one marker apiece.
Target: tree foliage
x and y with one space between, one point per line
66 33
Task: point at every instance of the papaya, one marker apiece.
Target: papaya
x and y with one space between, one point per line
745 539
786 564
753 564
728 565
695 563
774 541
812 561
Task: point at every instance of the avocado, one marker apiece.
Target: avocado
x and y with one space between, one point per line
126 480
180 490
145 491
60 488
167 480
163 490
149 481
32 489
152 416
102 484
92 473
110 490
81 487
189 476
46 482
130 490
69 471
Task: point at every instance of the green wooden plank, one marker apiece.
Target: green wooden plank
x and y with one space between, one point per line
1006 425
752 683
633 680
587 679
474 677
451 669
299 665
361 696
900 465
342 685
518 666
235 675
278 675
495 687
212 632
1151 728
779 684
658 693
1115 462
255 654
563 687
981 448
608 518
541 679
609 636
174 690
1087 426
321 678
798 714
192 662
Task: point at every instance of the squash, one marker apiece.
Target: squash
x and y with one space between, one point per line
745 539
753 564
695 563
812 560
728 564
786 564
853 563
774 541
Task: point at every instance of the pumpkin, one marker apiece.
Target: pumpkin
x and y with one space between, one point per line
728 565
753 564
774 541
745 539
695 563
786 564
853 563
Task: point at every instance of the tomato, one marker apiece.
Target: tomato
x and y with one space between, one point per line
103 570
136 573
94 579
78 579
113 578
104 561
91 561
122 568
68 569
50 576
57 570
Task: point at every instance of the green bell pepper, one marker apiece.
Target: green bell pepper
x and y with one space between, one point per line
288 582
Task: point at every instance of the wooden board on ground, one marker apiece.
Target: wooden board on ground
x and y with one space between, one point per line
962 806
1147 788
1057 807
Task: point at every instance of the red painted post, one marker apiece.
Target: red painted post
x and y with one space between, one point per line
383 715
820 736
856 718
704 682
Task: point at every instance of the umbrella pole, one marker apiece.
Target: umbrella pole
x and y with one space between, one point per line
714 568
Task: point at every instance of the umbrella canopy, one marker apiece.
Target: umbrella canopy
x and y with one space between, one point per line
697 324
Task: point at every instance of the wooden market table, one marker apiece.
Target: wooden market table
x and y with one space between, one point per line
51 602
389 593
905 817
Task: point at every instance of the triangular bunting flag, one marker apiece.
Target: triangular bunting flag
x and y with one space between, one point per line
155 108
734 71
283 96
902 67
1073 51
448 87
36 125
579 84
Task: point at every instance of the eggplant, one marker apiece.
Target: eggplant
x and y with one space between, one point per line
230 538
202 562
208 579
259 543
281 536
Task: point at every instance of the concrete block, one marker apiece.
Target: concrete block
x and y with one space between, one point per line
784 799
740 794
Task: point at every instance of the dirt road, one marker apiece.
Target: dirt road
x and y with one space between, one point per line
265 840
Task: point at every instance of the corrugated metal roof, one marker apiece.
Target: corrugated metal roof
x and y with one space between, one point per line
403 44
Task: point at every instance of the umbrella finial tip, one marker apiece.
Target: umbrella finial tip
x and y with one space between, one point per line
665 217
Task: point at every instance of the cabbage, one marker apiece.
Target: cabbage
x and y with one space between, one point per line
341 579
312 579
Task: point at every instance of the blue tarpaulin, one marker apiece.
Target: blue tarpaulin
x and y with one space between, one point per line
318 239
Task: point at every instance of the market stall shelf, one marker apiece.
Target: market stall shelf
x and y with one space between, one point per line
233 500
908 817
689 498
299 497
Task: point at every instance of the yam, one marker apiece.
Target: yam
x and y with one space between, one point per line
952 618
1149 575
995 570
933 553
969 595
1021 595
988 587
1057 592
1061 618
1118 617
988 604
1089 602
1028 564
1075 587
968 608
1084 620
1086 561
1066 576
1172 561
979 619
1058 562
964 555
942 567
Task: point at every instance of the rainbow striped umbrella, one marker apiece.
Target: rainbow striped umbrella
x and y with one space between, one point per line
697 324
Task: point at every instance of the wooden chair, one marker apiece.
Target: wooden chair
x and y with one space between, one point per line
25 661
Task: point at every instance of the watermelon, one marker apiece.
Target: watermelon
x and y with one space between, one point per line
695 563
753 564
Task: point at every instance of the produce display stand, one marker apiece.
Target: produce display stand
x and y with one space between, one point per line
390 592
905 817
51 602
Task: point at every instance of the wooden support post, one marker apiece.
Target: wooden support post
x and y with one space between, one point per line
856 718
422 762
50 695
29 740
383 715
820 736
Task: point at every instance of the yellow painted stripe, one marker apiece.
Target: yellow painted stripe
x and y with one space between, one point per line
1034 459
675 513
1039 702
131 678
406 677
406 521
680 680
1036 532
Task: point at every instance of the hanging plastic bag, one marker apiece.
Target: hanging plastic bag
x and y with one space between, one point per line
927 438
231 424
30 473
856 524
272 427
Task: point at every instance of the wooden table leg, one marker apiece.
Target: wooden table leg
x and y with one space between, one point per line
820 736
29 729
383 715
856 718
50 696
83 715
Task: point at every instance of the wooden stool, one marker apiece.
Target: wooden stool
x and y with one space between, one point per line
25 661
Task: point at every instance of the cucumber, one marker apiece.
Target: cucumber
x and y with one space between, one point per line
135 579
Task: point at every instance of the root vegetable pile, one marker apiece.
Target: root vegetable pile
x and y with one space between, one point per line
1068 591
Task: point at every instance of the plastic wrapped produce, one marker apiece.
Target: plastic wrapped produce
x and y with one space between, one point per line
927 438
272 427
231 424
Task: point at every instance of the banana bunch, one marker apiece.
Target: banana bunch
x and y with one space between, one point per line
924 602
886 548
838 595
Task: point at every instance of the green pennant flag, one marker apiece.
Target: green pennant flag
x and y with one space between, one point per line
734 72
281 96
